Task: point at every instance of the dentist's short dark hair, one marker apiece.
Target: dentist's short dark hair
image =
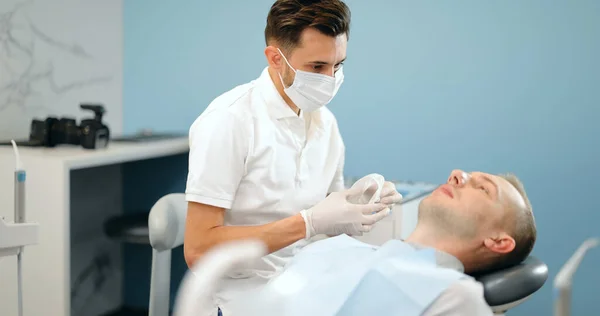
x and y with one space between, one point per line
287 20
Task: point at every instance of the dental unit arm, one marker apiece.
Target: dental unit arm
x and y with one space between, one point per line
15 236
202 280
564 279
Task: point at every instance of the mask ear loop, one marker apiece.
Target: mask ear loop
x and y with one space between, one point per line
286 61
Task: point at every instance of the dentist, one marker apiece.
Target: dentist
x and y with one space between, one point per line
266 158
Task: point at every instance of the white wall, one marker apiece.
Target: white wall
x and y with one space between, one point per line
56 54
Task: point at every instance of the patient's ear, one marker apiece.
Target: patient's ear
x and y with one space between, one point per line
502 243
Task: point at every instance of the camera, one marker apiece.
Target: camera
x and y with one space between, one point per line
90 134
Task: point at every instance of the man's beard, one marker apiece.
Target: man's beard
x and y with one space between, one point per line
288 77
447 222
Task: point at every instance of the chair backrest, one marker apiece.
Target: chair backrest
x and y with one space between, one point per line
166 223
166 227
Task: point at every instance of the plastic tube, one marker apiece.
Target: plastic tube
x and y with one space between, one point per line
199 284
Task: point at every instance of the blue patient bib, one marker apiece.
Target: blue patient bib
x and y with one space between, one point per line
342 276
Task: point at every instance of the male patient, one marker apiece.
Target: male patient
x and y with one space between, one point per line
474 222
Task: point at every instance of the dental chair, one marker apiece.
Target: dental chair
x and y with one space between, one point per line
503 289
507 288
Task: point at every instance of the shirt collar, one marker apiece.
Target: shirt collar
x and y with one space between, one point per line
278 108
275 103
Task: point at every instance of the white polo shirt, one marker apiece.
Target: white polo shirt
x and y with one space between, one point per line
252 155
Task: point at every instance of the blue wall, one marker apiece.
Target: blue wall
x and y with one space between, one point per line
493 86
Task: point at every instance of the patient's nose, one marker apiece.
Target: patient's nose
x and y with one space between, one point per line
458 177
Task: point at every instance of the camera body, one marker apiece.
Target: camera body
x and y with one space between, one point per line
90 134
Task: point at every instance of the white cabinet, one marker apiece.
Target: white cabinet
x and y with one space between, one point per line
70 191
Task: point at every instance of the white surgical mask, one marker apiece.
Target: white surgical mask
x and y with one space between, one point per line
311 91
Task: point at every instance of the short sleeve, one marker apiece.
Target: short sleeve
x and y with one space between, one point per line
464 297
219 144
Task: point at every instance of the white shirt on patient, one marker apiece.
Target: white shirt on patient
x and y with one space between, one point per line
465 297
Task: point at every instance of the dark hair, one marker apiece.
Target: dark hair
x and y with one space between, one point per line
287 20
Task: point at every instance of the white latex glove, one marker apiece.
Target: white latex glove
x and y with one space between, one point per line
336 215
389 195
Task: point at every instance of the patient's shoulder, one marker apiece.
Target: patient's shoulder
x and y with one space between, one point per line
463 297
337 243
336 249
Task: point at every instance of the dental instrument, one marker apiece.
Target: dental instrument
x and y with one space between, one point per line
418 196
14 237
20 177
564 279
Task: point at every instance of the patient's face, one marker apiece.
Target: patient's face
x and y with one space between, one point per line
472 205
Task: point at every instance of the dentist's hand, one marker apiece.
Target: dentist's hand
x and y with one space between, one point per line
389 195
335 215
